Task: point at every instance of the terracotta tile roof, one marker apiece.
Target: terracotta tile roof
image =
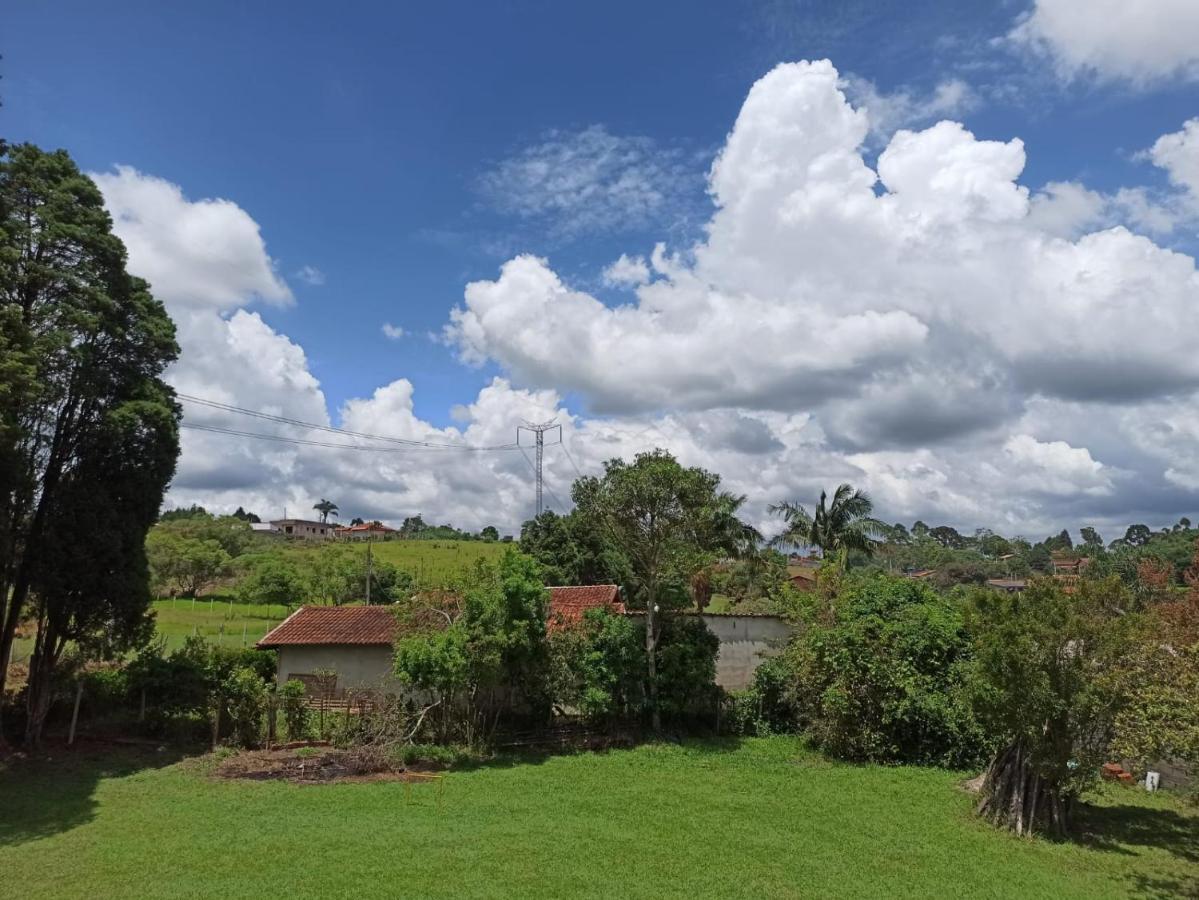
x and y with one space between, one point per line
369 526
368 625
567 604
333 625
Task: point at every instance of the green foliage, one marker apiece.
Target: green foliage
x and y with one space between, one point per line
295 712
88 428
273 579
765 707
836 527
1037 675
686 668
598 667
483 651
244 698
573 549
883 679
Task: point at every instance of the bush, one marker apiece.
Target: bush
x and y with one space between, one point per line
244 698
886 679
598 667
765 707
295 712
686 665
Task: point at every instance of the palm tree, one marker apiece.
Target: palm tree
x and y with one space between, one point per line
325 507
836 528
727 537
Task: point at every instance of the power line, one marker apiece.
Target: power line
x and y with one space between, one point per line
571 458
283 439
284 420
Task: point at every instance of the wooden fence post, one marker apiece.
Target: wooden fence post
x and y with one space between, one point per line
216 723
75 712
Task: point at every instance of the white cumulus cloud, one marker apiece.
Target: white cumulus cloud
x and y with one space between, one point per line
1135 41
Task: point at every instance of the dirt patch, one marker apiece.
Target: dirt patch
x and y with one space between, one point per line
315 765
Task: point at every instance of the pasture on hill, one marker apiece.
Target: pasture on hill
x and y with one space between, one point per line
759 817
431 562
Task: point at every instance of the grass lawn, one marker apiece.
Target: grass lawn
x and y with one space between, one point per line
759 818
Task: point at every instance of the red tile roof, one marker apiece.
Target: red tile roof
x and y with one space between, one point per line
333 625
567 604
367 526
367 625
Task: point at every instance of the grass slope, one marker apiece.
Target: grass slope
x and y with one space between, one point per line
760 818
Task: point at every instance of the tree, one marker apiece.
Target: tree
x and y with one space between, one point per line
412 526
947 536
1090 538
884 680
272 580
240 513
325 508
836 528
1041 691
663 518
83 345
185 564
490 533
1137 535
471 647
357 520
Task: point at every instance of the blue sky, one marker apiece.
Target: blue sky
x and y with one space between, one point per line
378 144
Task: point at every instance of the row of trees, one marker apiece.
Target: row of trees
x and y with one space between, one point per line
1041 686
88 428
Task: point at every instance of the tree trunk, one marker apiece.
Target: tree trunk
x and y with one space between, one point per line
1014 796
651 641
41 685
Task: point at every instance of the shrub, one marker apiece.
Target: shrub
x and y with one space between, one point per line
765 707
597 667
883 678
244 697
295 712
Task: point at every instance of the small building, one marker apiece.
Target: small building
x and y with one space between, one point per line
802 578
355 642
1070 565
920 574
1007 585
303 528
368 531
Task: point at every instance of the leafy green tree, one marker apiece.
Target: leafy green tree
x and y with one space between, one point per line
573 549
83 345
1137 535
662 517
835 527
597 667
325 508
273 580
490 533
184 564
947 536
1090 538
483 641
1041 691
884 679
412 526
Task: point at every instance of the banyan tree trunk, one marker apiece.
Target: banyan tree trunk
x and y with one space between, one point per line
1014 796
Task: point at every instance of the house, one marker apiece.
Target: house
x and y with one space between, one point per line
802 578
355 642
1007 585
920 574
303 528
368 531
1070 565
569 603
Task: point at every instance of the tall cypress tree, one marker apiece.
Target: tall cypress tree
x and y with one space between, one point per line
88 428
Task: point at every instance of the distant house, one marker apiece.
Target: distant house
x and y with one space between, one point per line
921 574
1070 565
1007 585
802 578
303 528
368 531
356 642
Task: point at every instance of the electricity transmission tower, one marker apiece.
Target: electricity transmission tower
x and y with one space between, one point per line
539 429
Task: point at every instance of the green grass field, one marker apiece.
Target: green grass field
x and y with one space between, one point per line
432 562
759 818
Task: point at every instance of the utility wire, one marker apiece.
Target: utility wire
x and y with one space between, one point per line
572 460
284 420
282 439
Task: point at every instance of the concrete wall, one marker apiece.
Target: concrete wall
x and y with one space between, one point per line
745 641
356 665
